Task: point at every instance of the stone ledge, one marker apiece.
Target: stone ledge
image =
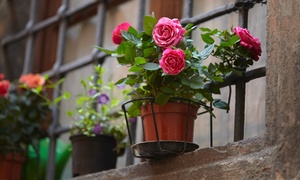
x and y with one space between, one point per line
234 161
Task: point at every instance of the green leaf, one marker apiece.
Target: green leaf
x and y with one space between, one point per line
162 98
133 31
107 51
81 100
150 66
199 96
224 43
215 89
220 104
140 60
207 39
130 53
217 78
149 23
121 81
69 113
234 39
121 48
196 82
167 89
130 37
205 29
134 109
123 61
207 51
66 95
135 68
149 51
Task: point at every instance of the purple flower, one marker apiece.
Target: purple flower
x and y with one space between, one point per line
103 99
92 92
98 129
133 120
120 86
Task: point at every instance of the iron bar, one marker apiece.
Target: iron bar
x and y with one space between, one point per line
220 11
27 66
232 78
133 125
81 62
240 89
55 111
71 15
228 8
188 8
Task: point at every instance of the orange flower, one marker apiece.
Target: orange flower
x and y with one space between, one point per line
32 80
4 87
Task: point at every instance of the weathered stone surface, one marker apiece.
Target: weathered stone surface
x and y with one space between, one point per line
225 162
283 84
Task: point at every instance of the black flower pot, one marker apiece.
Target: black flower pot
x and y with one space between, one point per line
92 154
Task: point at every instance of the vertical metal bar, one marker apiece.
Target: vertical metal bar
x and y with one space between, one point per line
188 8
27 67
55 112
101 17
239 119
133 125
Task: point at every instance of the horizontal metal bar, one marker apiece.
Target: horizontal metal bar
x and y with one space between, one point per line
71 14
61 129
232 78
220 11
63 69
228 8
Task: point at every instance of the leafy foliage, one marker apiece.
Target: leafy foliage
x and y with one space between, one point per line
23 113
98 110
140 53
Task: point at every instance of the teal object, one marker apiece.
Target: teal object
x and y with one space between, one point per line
35 168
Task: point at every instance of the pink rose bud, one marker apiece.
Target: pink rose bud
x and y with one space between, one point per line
168 32
248 41
117 34
172 61
4 87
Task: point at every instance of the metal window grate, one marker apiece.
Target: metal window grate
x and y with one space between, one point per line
64 18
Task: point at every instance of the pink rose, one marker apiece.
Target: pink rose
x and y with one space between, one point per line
250 42
168 32
32 80
117 34
172 61
4 87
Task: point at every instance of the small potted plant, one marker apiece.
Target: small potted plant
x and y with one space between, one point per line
97 134
167 73
24 110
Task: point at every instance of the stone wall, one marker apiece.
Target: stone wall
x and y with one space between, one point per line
283 84
275 156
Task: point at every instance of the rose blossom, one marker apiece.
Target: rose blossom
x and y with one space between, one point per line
168 32
250 42
32 80
1 76
103 99
172 61
4 87
117 34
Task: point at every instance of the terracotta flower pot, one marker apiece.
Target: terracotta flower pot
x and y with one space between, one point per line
171 121
11 165
92 154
